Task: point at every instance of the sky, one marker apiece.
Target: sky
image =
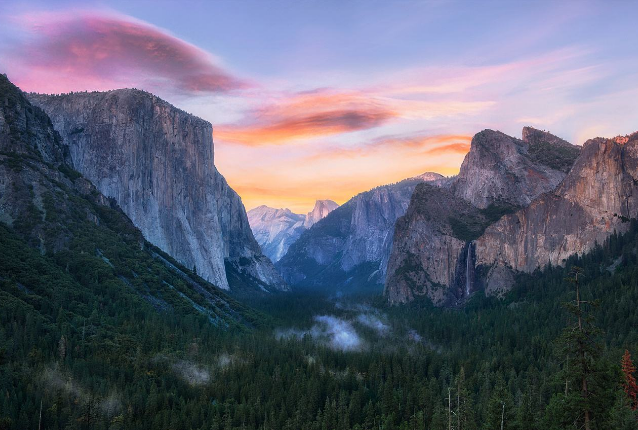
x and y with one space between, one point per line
325 99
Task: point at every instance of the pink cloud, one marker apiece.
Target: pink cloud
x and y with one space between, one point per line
97 51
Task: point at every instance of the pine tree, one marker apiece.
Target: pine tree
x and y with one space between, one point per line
630 387
588 390
500 408
465 405
439 419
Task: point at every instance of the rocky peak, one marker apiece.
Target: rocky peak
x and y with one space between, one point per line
441 239
275 229
598 196
433 178
265 213
612 162
429 177
531 136
320 211
499 169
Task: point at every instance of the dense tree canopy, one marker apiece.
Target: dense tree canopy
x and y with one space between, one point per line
88 351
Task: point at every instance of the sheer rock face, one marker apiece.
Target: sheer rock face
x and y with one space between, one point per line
157 162
598 197
276 229
320 211
352 244
438 243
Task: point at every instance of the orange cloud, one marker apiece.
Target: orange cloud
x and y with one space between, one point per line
458 148
303 126
306 115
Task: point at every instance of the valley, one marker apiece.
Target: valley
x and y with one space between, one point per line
137 291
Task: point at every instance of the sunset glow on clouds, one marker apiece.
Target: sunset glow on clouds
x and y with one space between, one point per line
301 116
308 104
70 52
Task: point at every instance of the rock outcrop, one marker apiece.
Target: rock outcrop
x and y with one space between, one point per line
157 162
320 211
276 229
350 247
597 198
436 247
430 246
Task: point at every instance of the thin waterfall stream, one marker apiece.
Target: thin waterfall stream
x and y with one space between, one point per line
468 281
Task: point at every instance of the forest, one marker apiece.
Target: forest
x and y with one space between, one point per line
80 348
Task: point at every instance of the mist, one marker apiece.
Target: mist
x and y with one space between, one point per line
331 331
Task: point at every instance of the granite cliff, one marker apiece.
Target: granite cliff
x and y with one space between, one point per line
86 244
157 162
436 245
276 229
320 211
350 247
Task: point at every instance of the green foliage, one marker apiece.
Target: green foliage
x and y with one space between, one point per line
121 349
468 227
557 156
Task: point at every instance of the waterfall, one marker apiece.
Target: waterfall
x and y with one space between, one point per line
468 259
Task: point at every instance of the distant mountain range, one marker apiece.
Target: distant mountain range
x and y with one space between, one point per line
276 229
350 247
516 206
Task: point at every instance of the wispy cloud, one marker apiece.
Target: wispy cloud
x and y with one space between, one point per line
99 51
374 321
457 148
193 373
419 143
306 115
331 131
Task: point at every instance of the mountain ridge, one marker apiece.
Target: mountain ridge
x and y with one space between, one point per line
276 229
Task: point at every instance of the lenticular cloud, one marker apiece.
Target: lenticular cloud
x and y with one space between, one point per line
98 51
